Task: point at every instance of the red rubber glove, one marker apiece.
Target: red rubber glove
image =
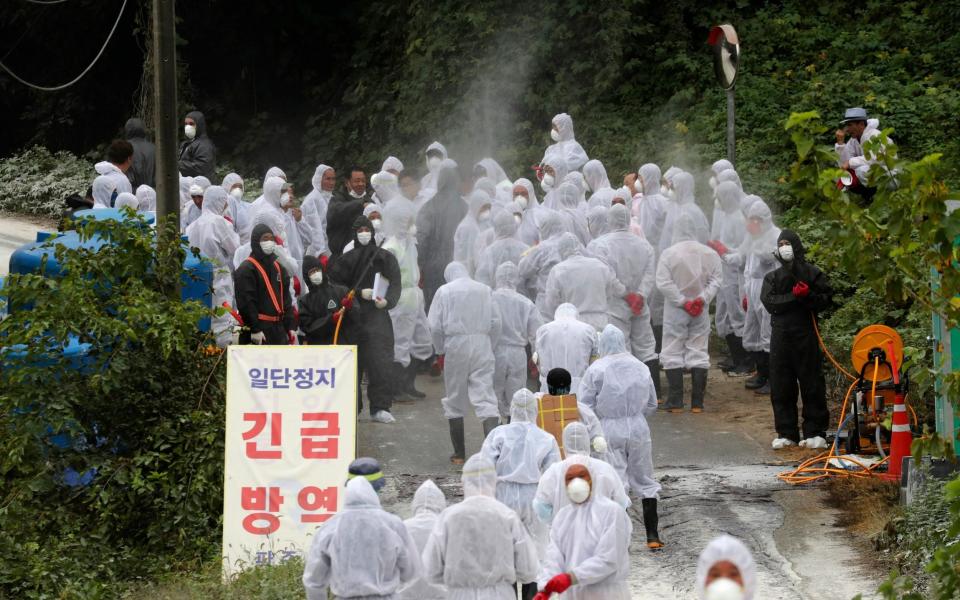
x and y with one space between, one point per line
744 303
541 596
688 306
324 261
336 317
801 290
296 285
346 302
558 585
698 303
440 361
635 301
278 240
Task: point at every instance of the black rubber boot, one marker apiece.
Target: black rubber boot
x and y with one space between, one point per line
654 366
456 437
488 424
674 389
651 522
744 360
757 380
698 389
729 362
410 382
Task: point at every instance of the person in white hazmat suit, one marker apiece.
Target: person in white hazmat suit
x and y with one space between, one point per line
571 210
551 493
726 571
314 209
491 169
526 197
465 324
565 145
588 557
583 281
716 169
479 548
684 204
756 257
127 200
506 248
275 200
597 221
412 342
595 175
633 261
476 220
554 174
238 211
374 212
521 453
618 389
566 342
520 320
361 552
217 241
147 198
689 276
191 212
428 502
435 155
729 230
536 264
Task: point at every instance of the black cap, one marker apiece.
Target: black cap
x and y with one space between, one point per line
368 468
558 382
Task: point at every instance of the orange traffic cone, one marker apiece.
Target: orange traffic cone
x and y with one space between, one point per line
901 439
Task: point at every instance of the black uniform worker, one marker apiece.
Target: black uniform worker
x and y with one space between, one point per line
792 294
262 290
319 308
372 330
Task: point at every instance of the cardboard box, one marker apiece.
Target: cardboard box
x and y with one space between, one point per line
554 413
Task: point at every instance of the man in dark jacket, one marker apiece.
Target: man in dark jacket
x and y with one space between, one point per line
436 225
198 155
261 286
372 329
793 294
318 309
344 207
144 154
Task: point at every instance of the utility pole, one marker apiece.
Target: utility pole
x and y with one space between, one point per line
165 113
726 61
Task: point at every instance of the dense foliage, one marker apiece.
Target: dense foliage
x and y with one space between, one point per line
37 180
142 414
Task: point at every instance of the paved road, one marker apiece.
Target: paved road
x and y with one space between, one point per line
716 479
14 233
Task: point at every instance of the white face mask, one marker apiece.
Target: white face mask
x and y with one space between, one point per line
555 135
284 198
518 219
268 247
433 163
547 182
355 194
724 589
236 193
484 216
190 131
521 200
578 490
316 278
786 252
376 224
413 230
364 237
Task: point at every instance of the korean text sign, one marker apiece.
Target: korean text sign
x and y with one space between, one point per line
290 437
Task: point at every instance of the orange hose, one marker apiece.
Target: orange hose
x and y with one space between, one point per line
336 332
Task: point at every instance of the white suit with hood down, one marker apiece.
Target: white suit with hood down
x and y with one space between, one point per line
479 548
583 281
566 148
465 324
428 502
756 256
619 390
361 552
411 333
522 452
565 343
633 262
506 248
688 270
551 493
217 240
520 321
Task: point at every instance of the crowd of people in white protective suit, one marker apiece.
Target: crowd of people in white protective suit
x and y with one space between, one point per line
594 287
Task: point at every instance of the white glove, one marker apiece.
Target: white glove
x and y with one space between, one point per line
599 445
380 303
731 258
366 294
258 338
536 358
294 340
